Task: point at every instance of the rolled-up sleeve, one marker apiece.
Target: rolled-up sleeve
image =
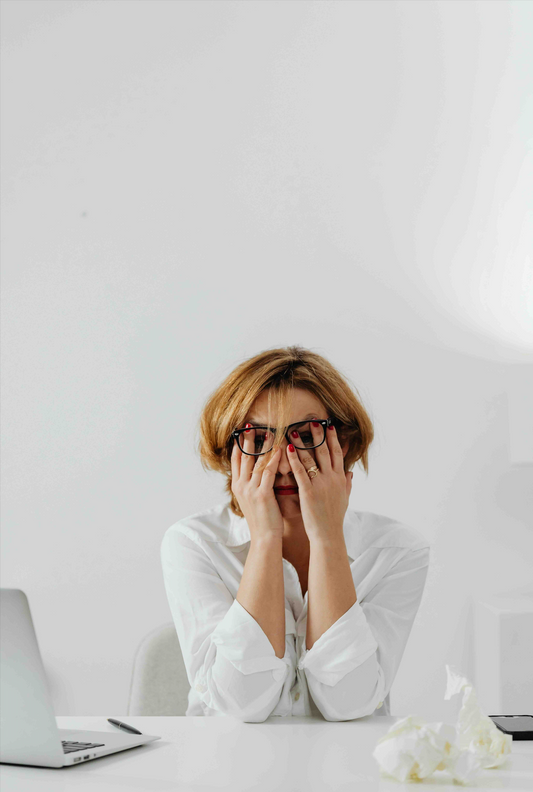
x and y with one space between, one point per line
351 667
228 657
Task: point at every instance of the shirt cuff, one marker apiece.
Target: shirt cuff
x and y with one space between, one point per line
343 647
244 643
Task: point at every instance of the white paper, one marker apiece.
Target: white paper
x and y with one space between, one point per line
413 749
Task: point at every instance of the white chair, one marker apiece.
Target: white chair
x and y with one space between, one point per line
159 683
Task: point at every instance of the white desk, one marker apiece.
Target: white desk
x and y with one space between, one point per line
286 754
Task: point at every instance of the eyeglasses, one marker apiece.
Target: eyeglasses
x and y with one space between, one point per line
263 437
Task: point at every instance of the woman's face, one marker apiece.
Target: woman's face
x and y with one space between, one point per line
305 407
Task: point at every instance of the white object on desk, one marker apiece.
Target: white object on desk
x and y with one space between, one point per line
503 654
303 753
28 727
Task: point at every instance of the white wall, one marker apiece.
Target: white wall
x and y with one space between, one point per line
172 172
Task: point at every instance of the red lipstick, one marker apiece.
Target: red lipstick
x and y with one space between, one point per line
286 490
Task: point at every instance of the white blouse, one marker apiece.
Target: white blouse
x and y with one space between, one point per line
232 666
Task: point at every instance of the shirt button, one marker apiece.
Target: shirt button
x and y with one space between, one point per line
297 696
379 705
200 688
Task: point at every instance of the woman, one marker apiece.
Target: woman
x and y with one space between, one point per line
285 601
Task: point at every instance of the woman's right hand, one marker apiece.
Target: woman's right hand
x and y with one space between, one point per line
252 483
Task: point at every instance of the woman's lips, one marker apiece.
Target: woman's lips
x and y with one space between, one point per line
286 490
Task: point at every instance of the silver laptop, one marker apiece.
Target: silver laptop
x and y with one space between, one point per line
29 733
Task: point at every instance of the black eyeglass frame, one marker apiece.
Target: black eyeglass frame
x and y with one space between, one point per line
324 423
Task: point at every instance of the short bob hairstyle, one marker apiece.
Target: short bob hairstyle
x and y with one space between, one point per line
280 371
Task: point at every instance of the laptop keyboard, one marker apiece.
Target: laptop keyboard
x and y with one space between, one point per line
69 746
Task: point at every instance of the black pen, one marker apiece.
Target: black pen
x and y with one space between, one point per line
123 726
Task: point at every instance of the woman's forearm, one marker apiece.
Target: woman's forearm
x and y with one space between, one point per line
331 590
262 591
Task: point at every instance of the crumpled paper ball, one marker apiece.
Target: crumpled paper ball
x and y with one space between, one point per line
413 749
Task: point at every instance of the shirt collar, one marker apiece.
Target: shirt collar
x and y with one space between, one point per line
239 532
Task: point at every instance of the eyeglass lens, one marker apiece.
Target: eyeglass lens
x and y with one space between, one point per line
260 439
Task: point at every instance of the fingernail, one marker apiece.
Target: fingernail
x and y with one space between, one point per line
331 428
295 433
291 447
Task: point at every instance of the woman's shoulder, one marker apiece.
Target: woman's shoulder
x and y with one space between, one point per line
380 530
208 525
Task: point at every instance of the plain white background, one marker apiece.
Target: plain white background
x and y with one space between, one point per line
186 184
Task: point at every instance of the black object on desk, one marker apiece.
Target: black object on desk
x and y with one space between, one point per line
123 726
520 726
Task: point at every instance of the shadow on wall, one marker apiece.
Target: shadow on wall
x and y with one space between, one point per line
513 493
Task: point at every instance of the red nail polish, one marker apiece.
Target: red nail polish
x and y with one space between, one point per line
295 433
315 423
291 447
331 428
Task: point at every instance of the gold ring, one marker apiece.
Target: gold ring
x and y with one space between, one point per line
314 470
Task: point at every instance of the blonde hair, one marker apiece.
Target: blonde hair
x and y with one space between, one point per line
280 371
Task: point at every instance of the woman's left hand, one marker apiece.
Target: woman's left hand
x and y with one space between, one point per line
324 498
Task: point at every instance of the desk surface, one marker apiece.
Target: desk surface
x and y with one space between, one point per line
289 754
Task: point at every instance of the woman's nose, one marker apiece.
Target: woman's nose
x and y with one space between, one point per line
284 464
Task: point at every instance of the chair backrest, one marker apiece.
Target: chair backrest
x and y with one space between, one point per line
159 683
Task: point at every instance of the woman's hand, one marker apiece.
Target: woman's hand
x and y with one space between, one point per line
252 483
324 498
